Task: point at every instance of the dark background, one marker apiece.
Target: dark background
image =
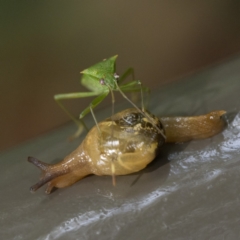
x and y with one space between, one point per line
45 44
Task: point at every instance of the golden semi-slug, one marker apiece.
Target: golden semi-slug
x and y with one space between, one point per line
128 141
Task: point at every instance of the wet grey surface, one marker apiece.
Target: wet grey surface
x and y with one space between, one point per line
191 191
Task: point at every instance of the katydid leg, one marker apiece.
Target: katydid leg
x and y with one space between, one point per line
134 105
113 157
135 86
80 123
129 71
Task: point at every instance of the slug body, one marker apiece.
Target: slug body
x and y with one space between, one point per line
126 143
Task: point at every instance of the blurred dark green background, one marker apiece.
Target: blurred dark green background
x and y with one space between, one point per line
45 44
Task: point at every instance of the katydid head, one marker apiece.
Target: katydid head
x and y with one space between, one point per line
109 81
104 72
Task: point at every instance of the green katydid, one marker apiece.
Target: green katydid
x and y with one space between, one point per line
101 79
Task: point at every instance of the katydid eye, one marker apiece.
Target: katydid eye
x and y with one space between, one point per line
102 82
116 76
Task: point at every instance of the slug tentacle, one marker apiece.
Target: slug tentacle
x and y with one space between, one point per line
48 174
42 181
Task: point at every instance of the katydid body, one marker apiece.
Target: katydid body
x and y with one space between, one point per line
101 79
